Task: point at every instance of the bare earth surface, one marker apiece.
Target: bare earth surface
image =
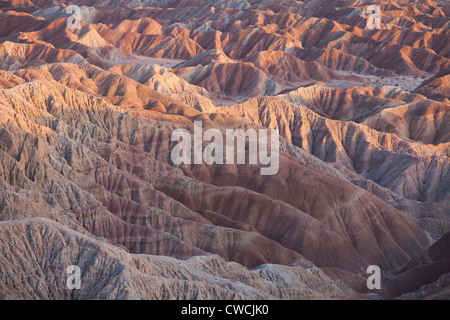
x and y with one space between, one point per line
86 177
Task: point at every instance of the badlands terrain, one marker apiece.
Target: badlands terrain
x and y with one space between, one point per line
89 99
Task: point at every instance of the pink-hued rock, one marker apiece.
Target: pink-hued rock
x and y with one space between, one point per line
87 116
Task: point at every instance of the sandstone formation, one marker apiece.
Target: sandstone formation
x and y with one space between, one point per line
87 178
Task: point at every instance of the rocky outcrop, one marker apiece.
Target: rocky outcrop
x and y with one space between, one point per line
437 87
86 177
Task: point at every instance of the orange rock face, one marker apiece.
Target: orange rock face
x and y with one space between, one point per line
87 117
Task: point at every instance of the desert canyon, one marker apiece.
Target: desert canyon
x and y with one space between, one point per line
86 117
